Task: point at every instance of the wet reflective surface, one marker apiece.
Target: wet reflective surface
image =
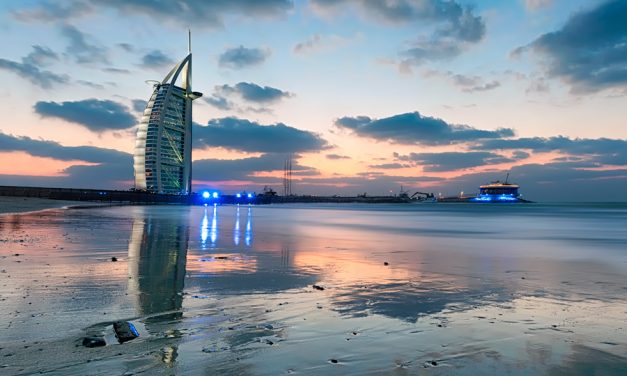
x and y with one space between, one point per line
467 289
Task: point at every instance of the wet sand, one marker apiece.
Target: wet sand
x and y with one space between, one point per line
539 289
9 204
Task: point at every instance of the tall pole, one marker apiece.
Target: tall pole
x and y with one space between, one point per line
189 41
285 177
290 174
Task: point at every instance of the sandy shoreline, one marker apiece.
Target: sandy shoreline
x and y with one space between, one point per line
24 205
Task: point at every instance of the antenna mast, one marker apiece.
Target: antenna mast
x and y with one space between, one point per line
189 41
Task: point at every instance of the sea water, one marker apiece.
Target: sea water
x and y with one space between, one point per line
402 289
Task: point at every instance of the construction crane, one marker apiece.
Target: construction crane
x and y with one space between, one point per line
422 196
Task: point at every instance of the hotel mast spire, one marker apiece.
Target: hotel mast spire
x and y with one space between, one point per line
189 41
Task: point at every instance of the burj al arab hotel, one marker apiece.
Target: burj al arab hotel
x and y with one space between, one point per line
163 147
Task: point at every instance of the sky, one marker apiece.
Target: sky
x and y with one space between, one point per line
364 95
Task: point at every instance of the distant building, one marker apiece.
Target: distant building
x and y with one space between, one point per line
163 147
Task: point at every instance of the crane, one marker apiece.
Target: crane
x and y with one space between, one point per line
423 196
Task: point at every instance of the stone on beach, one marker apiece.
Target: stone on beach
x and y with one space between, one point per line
125 331
317 287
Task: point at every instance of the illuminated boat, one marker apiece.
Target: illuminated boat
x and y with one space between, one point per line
498 191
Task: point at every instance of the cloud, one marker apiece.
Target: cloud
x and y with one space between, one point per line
200 13
244 135
601 150
248 92
538 86
337 156
95 115
139 105
413 128
156 59
54 150
589 51
456 18
319 43
310 44
28 68
388 166
116 70
428 50
218 102
114 168
542 182
472 84
456 26
51 11
242 57
238 169
519 154
41 56
41 78
451 161
467 84
90 84
260 94
126 47
79 47
534 5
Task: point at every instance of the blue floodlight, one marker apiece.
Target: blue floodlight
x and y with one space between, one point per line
497 198
215 195
250 195
239 195
205 194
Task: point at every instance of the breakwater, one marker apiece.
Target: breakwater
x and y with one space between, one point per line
139 197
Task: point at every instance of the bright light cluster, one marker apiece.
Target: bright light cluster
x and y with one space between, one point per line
490 198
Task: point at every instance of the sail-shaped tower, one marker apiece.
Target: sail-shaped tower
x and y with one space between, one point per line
163 147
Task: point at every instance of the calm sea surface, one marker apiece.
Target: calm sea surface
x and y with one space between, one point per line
406 289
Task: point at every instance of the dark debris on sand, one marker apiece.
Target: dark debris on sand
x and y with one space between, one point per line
94 342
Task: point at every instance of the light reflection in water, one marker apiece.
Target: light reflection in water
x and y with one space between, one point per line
209 230
248 235
204 230
236 232
214 226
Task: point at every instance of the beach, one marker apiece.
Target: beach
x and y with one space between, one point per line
435 289
13 205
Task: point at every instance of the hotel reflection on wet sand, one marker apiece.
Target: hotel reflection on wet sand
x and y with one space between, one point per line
228 290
